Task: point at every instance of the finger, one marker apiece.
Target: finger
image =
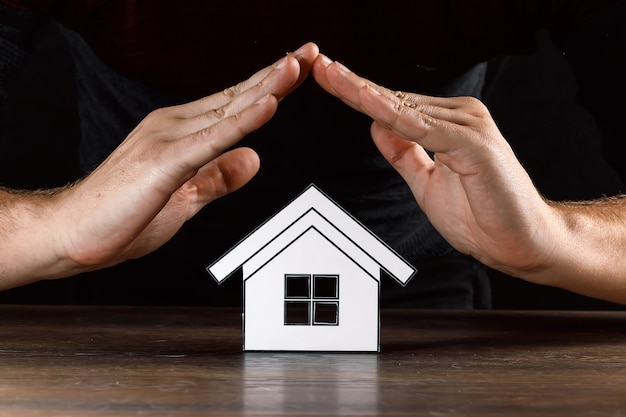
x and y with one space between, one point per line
303 57
345 84
433 134
274 83
346 90
320 66
338 80
285 76
278 82
450 109
223 175
208 103
197 149
410 160
231 101
367 97
449 103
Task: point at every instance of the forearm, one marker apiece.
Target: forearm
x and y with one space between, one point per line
589 249
29 244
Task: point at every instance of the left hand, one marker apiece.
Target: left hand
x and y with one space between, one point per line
474 190
177 160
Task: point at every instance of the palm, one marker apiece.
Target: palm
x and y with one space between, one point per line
462 206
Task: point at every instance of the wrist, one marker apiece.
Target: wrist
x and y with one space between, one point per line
31 238
586 241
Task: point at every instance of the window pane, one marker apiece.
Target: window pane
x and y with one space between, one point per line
326 286
297 312
297 286
326 313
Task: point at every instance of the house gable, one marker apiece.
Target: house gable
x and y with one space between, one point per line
312 221
312 208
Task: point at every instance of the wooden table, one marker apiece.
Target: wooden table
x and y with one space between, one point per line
125 361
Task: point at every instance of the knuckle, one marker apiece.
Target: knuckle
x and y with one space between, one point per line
207 138
218 113
399 107
409 105
261 85
401 95
238 124
156 115
473 105
477 113
231 92
154 121
160 112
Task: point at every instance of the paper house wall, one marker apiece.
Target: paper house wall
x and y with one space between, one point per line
312 279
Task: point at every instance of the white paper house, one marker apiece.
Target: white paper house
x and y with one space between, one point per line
312 279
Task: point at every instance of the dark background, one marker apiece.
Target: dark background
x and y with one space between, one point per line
532 98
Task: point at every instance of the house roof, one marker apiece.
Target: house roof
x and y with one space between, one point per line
312 209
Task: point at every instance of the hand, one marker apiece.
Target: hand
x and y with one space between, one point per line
174 163
473 189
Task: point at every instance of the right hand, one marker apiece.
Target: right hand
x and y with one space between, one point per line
473 189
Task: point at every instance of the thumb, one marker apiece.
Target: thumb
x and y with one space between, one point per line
408 158
225 174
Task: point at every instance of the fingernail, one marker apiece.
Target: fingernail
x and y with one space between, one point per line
325 60
263 99
341 66
300 50
281 63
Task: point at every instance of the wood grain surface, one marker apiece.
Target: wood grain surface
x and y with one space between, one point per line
179 361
